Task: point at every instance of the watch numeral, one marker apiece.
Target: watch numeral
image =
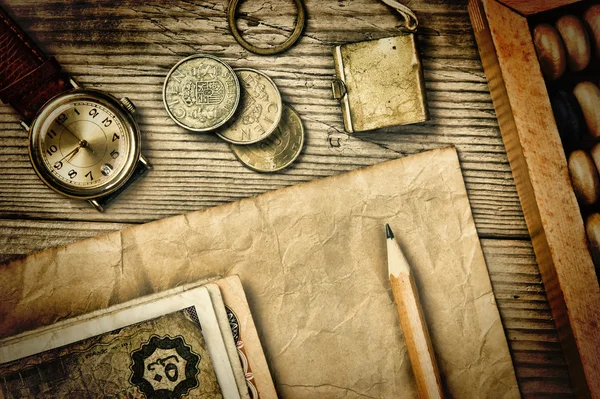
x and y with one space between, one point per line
93 112
89 174
75 110
72 174
61 118
116 137
52 149
58 165
51 134
114 154
107 122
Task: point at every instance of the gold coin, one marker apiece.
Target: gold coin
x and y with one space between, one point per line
259 111
201 93
279 150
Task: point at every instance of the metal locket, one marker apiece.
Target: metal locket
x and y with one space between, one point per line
380 83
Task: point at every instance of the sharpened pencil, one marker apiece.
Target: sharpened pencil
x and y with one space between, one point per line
416 335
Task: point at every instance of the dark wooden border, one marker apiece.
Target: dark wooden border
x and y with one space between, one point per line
530 7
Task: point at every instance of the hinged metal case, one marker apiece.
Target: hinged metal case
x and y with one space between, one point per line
380 83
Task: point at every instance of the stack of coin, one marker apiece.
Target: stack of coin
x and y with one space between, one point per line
243 106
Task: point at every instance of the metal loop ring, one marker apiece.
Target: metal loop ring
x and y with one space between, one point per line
300 23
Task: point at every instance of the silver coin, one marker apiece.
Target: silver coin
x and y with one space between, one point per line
201 93
259 111
279 150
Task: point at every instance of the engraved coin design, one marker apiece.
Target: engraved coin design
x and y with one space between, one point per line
279 150
201 93
259 112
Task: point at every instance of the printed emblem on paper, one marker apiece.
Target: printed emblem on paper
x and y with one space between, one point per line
165 368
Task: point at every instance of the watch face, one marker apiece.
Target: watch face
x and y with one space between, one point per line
84 145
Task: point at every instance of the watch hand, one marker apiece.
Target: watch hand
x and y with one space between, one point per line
87 145
71 154
75 153
72 134
82 143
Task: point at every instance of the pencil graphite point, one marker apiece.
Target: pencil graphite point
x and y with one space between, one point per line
397 262
388 231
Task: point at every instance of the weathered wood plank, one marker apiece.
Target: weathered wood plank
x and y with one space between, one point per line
525 312
127 48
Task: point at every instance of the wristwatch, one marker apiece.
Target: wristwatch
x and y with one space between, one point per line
83 143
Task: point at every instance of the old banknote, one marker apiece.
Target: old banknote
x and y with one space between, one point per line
226 331
167 348
249 348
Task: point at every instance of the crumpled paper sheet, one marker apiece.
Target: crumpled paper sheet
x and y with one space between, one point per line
312 259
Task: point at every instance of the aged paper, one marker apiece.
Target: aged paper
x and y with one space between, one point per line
202 301
197 299
312 259
247 342
226 331
156 358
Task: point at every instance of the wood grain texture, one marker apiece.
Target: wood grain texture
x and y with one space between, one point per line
546 190
530 7
127 48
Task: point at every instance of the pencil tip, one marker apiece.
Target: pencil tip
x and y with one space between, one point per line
388 231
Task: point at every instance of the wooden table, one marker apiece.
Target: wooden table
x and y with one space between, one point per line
127 47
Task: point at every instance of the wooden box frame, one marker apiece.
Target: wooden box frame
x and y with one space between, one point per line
539 166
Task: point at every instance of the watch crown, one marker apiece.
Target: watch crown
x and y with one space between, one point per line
128 104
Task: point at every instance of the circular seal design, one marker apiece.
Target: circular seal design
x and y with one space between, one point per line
279 150
201 93
165 368
259 112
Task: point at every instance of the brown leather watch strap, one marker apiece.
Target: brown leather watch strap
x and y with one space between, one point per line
28 79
